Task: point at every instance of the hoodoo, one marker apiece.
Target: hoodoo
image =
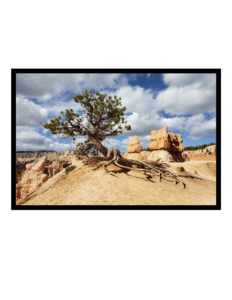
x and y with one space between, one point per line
134 149
167 146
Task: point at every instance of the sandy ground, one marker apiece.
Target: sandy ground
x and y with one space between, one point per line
83 186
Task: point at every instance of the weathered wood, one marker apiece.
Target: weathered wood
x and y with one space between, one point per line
155 169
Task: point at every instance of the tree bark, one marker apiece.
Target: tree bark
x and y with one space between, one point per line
101 148
96 142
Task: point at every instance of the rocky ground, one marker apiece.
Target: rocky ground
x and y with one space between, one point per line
85 186
35 172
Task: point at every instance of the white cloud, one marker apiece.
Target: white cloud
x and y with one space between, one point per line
142 124
28 139
46 86
136 99
199 127
193 80
55 107
112 143
45 131
188 94
29 114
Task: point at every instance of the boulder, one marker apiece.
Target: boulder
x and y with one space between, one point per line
153 155
164 156
137 148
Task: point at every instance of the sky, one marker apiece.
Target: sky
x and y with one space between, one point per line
186 103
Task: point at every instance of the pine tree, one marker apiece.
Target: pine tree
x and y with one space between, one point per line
102 117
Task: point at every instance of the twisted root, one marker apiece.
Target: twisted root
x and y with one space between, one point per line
150 169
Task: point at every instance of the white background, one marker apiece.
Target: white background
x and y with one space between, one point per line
115 254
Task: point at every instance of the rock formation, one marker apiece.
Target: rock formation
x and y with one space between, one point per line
209 153
134 149
163 140
211 148
40 166
134 145
170 144
35 173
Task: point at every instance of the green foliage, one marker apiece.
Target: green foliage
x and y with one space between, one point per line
18 175
85 149
104 116
69 169
147 150
198 147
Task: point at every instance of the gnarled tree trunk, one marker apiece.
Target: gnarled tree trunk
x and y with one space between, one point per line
101 148
96 142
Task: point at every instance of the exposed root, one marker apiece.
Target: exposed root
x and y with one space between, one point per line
110 162
149 169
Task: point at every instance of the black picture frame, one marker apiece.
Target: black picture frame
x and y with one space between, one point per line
116 207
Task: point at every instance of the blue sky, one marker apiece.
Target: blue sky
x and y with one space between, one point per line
186 103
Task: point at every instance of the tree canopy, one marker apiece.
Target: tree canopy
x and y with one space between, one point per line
102 116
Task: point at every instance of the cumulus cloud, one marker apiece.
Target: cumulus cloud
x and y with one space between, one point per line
111 143
199 127
193 80
188 94
29 114
28 139
136 99
45 130
142 124
46 86
56 106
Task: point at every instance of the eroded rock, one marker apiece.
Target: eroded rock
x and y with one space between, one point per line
134 145
163 140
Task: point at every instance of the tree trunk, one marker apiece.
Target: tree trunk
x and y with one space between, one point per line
101 148
97 143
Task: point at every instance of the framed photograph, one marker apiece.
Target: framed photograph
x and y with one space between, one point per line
128 139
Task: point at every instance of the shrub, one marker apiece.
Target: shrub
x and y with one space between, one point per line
69 169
